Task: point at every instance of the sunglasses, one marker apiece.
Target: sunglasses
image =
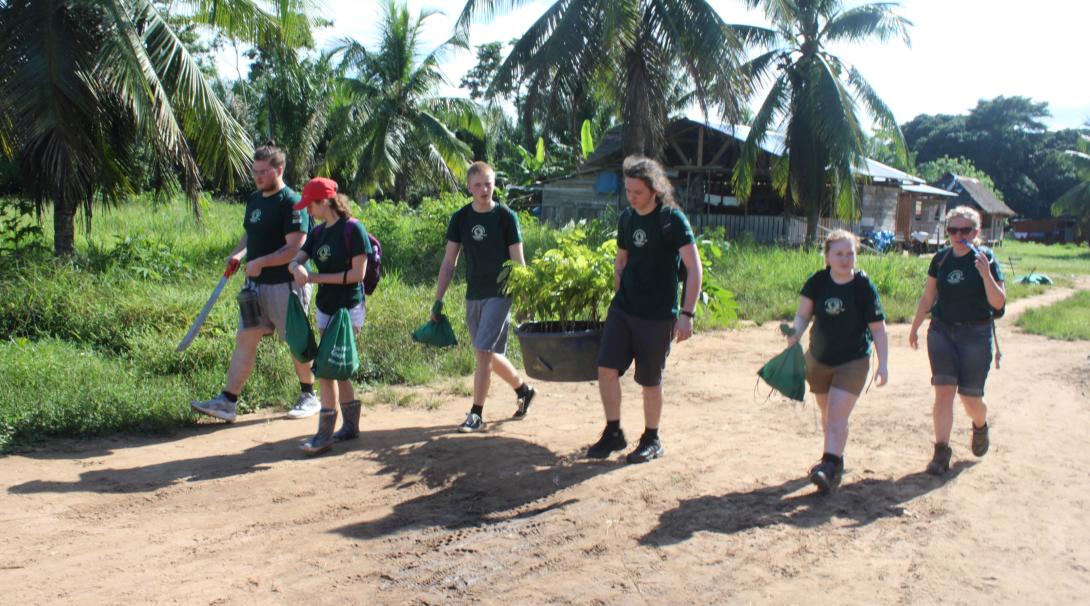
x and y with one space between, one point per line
965 231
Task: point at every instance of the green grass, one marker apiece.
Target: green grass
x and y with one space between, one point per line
1068 320
1061 262
766 280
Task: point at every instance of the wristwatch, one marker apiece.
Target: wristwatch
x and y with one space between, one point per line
688 313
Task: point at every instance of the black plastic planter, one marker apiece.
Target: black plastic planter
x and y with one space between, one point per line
552 354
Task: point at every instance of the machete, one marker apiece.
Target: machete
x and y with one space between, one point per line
201 317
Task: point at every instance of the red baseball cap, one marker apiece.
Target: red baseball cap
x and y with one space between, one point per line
318 188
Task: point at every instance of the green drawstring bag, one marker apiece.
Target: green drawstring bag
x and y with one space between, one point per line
337 357
438 333
786 373
297 331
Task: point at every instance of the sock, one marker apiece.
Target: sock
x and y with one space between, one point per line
613 426
523 390
232 397
306 387
477 410
650 434
832 458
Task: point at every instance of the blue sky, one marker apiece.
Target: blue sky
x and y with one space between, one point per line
962 50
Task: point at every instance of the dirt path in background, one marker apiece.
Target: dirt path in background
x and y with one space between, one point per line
415 513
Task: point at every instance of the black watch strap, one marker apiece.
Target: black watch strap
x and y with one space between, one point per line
688 313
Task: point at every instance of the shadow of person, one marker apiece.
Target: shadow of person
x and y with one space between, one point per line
471 480
864 502
149 478
68 449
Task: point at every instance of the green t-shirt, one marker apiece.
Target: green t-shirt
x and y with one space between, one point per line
962 297
268 221
649 282
331 248
485 238
841 314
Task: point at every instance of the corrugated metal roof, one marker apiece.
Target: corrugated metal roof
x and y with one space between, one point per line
928 190
980 194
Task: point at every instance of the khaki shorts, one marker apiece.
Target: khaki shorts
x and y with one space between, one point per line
273 299
849 376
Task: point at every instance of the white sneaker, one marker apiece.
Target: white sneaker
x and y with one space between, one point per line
219 407
307 405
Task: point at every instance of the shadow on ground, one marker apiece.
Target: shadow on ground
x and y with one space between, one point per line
864 502
468 480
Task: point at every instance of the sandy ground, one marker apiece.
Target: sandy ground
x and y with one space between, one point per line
415 513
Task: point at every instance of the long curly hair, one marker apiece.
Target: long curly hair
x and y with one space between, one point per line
652 174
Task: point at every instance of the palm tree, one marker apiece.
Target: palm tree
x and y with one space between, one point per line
813 100
1075 202
631 49
84 84
389 128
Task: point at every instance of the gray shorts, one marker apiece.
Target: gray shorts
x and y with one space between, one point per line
487 321
626 338
960 354
273 299
357 314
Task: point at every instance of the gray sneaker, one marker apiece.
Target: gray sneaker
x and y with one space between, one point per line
307 405
219 407
473 423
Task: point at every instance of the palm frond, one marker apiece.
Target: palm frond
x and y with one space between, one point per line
862 22
773 107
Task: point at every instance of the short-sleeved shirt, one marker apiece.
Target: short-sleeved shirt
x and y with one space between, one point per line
485 239
962 297
841 315
331 248
649 281
268 220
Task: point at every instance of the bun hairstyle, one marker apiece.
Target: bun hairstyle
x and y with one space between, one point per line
653 176
270 153
969 214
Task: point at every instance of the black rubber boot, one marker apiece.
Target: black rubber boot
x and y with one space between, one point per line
350 422
940 462
323 440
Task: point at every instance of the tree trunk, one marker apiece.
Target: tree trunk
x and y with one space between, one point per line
64 228
813 219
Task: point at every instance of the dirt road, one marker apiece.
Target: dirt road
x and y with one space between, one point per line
415 513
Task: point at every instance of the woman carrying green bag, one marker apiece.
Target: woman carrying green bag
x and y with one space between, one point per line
848 316
339 247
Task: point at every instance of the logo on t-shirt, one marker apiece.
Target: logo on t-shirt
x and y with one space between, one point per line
296 216
324 253
639 238
955 277
255 217
478 232
834 306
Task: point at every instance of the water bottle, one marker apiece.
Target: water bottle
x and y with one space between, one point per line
249 308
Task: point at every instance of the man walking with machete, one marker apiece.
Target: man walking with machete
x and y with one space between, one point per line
274 234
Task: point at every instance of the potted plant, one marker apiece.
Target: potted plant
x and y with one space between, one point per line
564 294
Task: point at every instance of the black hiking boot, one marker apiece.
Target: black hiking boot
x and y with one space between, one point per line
940 462
609 443
826 475
648 449
980 440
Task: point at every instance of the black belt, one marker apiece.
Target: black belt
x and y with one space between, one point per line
967 322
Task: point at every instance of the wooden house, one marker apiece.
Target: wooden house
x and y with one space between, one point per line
700 158
971 192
